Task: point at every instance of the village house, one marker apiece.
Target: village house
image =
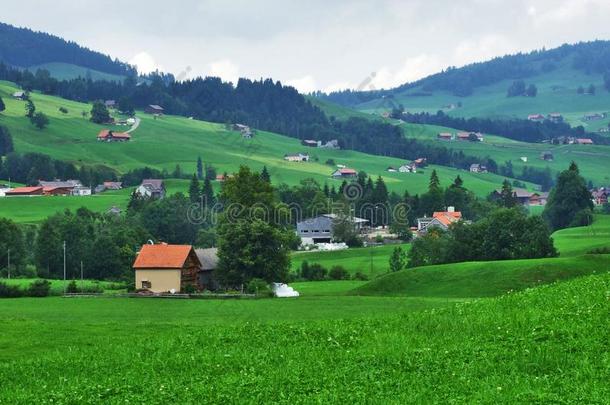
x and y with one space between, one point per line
420 162
299 157
408 168
245 130
107 135
594 117
538 198
524 197
24 192
478 168
584 141
110 104
441 219
391 169
470 136
600 195
151 188
332 144
320 229
3 189
68 187
154 109
547 155
555 117
113 185
344 173
166 268
114 211
444 136
20 95
206 279
535 117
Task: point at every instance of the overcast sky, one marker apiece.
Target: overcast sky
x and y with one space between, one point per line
314 44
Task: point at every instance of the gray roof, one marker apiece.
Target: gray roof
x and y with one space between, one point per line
156 107
208 258
62 184
155 184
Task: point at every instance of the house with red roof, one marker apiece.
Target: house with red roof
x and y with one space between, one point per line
584 141
440 219
166 268
24 192
344 173
107 135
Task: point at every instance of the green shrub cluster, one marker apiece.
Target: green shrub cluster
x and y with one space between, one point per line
39 288
317 272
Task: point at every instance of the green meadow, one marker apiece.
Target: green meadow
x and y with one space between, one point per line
168 141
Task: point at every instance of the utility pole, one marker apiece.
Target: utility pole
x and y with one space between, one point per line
64 267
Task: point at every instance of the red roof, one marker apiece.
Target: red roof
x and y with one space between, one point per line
24 190
584 141
447 218
162 256
104 133
347 171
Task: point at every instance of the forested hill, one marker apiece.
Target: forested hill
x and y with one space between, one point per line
24 48
587 57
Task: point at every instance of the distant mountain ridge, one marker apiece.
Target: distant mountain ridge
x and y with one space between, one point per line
23 47
588 57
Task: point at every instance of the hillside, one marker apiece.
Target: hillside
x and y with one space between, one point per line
168 141
25 48
484 279
481 88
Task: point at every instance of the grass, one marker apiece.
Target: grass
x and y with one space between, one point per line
371 261
57 286
542 345
577 241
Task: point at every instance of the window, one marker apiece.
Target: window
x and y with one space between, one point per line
304 231
146 284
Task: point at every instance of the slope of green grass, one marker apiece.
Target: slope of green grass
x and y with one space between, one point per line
67 71
544 345
484 279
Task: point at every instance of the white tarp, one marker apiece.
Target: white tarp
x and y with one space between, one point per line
284 291
326 247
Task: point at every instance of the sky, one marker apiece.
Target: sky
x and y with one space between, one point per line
313 45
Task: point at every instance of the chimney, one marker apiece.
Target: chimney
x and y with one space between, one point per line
450 209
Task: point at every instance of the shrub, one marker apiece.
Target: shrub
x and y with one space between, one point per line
63 110
313 272
360 276
10 291
72 288
259 287
91 289
600 251
189 289
39 288
338 273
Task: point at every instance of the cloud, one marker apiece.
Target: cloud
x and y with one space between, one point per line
306 84
225 69
144 62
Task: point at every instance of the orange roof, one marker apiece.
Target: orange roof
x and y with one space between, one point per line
104 133
447 218
162 256
25 190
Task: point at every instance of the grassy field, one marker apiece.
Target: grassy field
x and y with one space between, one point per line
371 261
544 345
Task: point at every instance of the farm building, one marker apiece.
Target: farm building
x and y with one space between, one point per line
391 169
3 189
469 136
594 117
152 188
535 117
584 141
24 192
310 143
320 229
344 173
107 135
154 109
548 156
68 187
524 197
166 268
299 157
408 168
478 168
208 258
20 95
113 185
332 144
600 195
114 211
444 136
441 219
555 117
110 103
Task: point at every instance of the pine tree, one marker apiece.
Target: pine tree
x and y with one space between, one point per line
381 192
265 175
199 168
458 182
194 190
397 260
207 192
507 197
435 184
30 109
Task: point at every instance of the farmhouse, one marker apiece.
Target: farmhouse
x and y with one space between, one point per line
320 229
441 219
113 185
24 192
107 135
478 168
594 117
154 109
600 195
584 141
535 117
524 197
344 173
548 156
470 136
299 157
20 95
151 188
332 144
408 168
555 117
68 187
444 136
538 198
420 162
208 258
3 189
246 131
166 268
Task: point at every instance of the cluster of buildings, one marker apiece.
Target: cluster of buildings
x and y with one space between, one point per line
440 219
525 197
297 157
410 167
460 136
152 188
570 140
245 131
553 117
47 188
594 116
478 168
320 229
332 144
600 195
107 135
